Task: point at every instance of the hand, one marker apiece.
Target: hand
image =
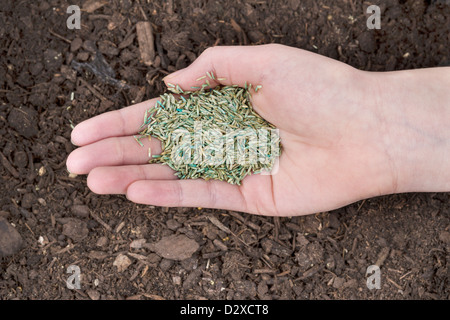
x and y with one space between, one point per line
332 130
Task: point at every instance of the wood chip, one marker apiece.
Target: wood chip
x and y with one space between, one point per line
137 256
264 271
93 294
127 41
444 236
382 256
219 244
92 5
146 43
81 211
98 255
122 262
137 244
242 36
175 247
119 227
235 25
308 273
153 296
219 224
75 229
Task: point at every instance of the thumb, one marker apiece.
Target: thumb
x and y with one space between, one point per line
230 65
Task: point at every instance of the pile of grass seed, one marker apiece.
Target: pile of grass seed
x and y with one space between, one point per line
222 111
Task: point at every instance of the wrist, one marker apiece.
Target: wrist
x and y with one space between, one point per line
413 109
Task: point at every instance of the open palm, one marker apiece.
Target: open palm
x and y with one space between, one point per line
332 142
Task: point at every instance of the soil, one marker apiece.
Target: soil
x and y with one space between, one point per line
129 251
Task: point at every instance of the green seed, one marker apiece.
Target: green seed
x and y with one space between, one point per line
138 140
211 133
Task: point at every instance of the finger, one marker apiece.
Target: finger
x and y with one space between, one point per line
187 193
229 64
112 152
116 179
122 122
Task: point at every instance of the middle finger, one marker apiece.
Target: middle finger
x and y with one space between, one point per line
112 152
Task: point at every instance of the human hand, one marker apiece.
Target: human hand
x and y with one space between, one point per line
332 131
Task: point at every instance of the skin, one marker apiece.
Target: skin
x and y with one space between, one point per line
347 135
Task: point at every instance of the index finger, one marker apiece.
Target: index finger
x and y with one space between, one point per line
122 122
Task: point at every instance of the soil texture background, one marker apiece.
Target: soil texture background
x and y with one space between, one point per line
47 83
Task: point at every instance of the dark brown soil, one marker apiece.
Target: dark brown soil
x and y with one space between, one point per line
117 244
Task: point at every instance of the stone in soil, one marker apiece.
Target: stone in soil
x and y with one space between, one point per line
24 121
75 229
10 239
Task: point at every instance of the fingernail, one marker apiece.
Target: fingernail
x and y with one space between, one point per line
173 75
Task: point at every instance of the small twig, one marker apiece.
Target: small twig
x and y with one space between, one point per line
355 242
395 284
142 10
65 249
99 220
225 229
71 179
59 36
160 51
308 273
99 16
276 222
264 271
360 205
406 274
29 229
281 274
153 296
219 224
93 90
382 256
8 166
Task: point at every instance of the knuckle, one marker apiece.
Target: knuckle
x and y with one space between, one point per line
178 192
212 193
209 51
